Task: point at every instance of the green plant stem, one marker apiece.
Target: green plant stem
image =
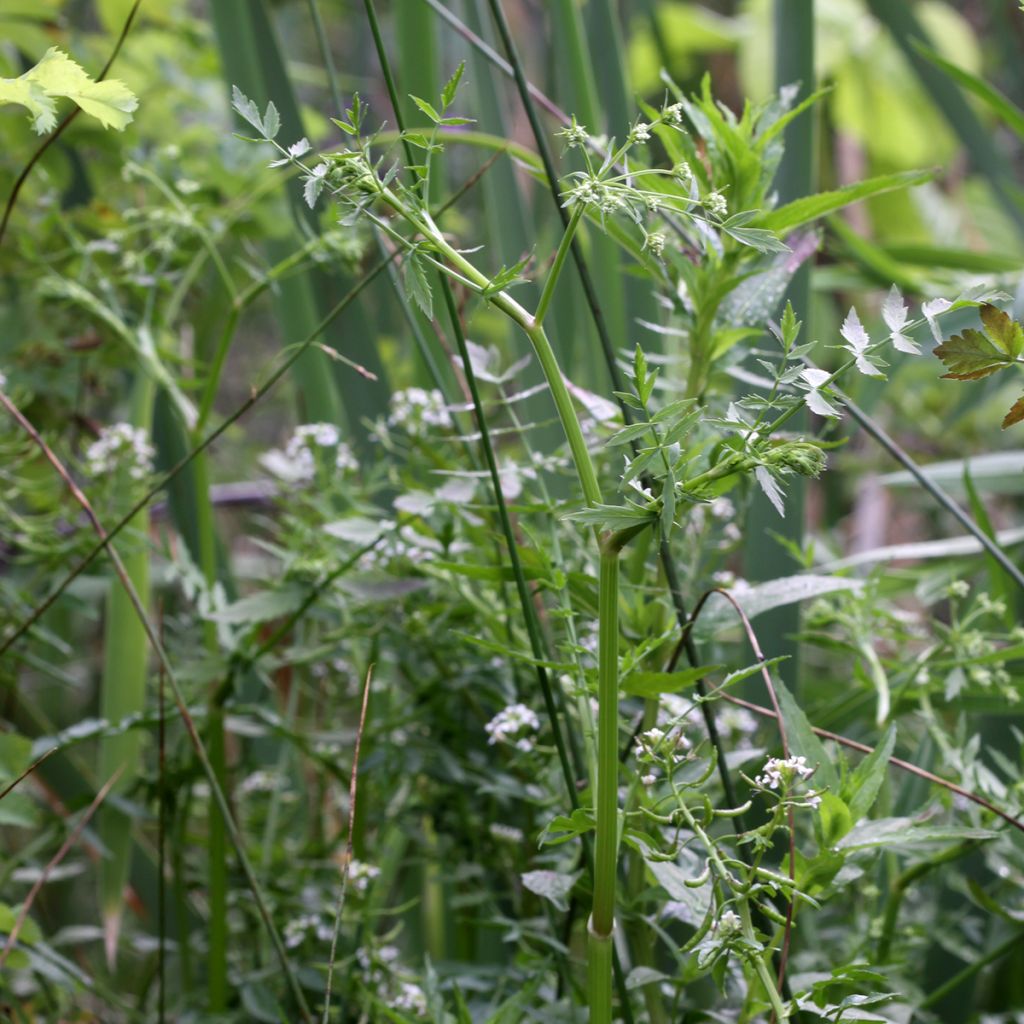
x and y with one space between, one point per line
556 267
527 95
537 647
900 886
973 968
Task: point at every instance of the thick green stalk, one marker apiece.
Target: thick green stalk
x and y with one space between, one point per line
123 693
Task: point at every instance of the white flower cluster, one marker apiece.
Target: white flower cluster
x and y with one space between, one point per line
656 744
782 774
3 381
513 725
360 875
410 998
305 450
297 929
378 967
406 543
120 446
715 203
416 410
777 772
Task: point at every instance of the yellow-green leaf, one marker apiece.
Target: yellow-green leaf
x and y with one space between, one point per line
110 102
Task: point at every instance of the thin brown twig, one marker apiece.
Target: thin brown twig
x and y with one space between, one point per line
352 790
59 130
896 762
70 840
28 771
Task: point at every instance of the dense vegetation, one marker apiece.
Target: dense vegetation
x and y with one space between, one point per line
508 511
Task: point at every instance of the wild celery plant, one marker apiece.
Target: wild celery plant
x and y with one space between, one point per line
355 178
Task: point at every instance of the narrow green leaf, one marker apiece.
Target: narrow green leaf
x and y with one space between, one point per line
867 780
650 684
810 208
802 740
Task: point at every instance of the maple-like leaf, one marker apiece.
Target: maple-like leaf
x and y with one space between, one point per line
970 356
1003 330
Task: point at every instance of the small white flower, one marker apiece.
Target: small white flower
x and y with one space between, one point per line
120 446
673 113
655 242
683 173
410 998
640 132
297 463
728 924
3 381
649 779
416 410
360 875
958 588
510 724
574 134
260 782
187 187
506 833
715 203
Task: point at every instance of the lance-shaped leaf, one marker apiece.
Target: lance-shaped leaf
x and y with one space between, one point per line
971 356
857 343
895 313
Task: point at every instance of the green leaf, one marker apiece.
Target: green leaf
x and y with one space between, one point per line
271 121
836 819
111 102
427 109
418 285
261 607
561 828
451 86
763 597
803 211
554 886
897 833
802 740
970 356
613 517
1000 105
627 434
862 788
1002 329
757 238
650 684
